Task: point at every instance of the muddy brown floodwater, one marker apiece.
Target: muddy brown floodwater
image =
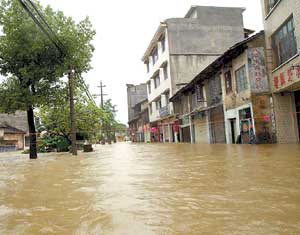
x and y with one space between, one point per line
128 189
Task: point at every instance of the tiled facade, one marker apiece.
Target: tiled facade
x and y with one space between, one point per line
284 76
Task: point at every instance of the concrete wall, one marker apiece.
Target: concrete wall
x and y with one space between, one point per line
279 15
286 124
213 31
283 79
235 99
185 67
135 94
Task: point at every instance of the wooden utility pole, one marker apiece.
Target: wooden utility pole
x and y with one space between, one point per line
72 111
101 94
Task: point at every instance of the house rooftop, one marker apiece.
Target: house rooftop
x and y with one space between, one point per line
11 130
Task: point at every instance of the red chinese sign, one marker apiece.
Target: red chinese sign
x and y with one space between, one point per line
176 126
287 77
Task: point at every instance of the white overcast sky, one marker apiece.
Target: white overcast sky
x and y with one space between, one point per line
124 30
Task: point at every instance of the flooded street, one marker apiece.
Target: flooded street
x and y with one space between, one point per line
128 189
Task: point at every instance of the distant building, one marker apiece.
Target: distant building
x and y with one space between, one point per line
138 117
282 28
13 130
178 51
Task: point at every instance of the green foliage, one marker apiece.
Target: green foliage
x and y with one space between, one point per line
54 142
33 66
55 116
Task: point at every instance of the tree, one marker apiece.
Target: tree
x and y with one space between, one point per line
32 64
55 116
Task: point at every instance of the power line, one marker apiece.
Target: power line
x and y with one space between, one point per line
39 24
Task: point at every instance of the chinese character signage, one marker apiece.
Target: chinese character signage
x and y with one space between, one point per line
257 70
286 77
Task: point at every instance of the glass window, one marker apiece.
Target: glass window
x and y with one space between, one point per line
166 75
284 44
228 82
241 79
158 105
150 108
157 81
163 43
148 66
149 87
154 56
271 4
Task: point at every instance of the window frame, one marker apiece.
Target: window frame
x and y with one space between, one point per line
279 37
151 108
158 104
154 55
156 78
149 87
148 66
246 83
163 43
228 90
269 8
165 71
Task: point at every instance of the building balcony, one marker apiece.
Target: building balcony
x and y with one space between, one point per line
164 111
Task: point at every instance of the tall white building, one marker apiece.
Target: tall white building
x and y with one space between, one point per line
178 51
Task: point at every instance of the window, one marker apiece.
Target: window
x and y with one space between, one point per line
158 104
149 87
150 108
284 42
165 68
228 82
167 98
156 81
271 4
241 79
148 66
163 43
154 56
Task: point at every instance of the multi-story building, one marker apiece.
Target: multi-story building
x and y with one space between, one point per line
282 29
179 50
229 101
137 109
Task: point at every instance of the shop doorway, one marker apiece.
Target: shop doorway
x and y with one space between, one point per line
297 102
186 135
233 130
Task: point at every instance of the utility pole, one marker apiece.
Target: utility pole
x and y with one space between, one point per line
72 110
101 94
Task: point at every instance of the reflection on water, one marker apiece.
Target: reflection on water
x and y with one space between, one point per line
128 189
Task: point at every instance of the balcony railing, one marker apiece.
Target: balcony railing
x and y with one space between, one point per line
164 111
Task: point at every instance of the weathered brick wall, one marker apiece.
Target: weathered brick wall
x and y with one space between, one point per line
285 115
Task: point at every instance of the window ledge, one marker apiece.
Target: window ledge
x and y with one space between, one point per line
285 63
273 9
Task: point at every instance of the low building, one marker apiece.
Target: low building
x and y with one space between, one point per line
139 126
11 138
138 116
229 101
15 126
282 27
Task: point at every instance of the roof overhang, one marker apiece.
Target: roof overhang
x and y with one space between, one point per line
153 43
212 69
